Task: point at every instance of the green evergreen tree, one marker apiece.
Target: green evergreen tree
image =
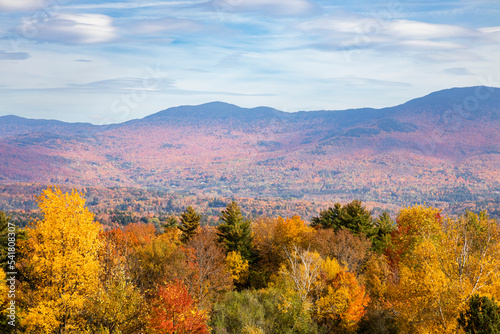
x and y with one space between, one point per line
190 221
384 226
481 317
235 232
352 216
170 222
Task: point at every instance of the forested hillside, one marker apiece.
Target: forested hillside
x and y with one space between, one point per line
344 271
442 148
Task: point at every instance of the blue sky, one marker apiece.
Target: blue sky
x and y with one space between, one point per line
111 61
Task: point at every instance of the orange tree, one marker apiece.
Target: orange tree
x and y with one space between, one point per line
174 312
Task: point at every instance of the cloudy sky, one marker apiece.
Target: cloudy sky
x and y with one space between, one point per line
110 61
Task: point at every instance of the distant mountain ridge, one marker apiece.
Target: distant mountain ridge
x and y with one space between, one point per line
217 110
436 147
441 100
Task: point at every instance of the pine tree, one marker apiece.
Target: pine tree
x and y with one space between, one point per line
170 222
235 232
481 317
384 226
352 216
190 221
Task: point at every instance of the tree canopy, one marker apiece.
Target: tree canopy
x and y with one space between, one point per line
190 221
352 216
235 232
60 264
423 273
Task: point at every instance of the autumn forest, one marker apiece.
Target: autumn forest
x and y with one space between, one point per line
344 271
221 219
249 167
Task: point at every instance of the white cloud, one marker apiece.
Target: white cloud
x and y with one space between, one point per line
398 29
340 23
343 31
492 33
71 29
418 45
490 30
168 24
273 7
413 30
20 5
130 5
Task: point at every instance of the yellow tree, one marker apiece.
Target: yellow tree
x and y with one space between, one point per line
443 264
471 255
3 287
414 258
413 225
322 288
292 231
118 305
303 269
340 300
60 264
273 235
419 298
238 266
4 300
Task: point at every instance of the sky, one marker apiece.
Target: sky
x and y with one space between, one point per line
111 61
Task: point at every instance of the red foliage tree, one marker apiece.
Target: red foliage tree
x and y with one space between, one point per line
174 311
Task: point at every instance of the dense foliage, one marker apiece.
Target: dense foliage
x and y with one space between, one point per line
481 317
346 272
190 221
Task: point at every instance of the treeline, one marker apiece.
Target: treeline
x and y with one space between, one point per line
344 272
116 207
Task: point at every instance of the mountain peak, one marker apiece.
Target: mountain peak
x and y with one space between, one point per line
469 97
215 110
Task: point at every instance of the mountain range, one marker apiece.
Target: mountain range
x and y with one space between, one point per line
440 148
